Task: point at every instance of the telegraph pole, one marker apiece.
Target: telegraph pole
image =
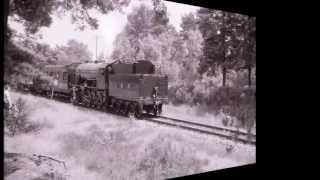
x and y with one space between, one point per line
96 47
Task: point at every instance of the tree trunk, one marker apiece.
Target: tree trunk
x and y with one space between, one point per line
249 75
5 31
224 76
137 53
5 16
224 70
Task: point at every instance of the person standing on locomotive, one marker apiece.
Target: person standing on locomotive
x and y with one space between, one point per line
74 94
54 85
7 100
83 89
155 92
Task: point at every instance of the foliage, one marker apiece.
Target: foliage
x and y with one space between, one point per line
17 58
147 37
113 154
226 40
16 121
189 22
35 14
197 59
25 57
74 51
234 101
194 58
165 158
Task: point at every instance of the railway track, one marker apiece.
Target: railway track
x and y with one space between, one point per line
209 126
226 133
205 129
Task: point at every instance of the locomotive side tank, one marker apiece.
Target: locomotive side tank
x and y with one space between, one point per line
124 88
53 77
59 74
88 84
145 89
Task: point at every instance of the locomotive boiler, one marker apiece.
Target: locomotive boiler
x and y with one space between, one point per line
123 88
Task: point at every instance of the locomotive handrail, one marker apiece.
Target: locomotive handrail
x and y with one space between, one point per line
115 61
89 87
124 96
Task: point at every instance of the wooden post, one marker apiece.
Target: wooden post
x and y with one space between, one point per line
224 74
249 75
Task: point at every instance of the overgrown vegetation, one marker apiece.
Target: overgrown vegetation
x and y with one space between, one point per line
165 159
101 146
113 155
210 62
16 120
236 101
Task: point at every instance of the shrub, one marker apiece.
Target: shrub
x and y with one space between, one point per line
17 120
165 158
236 102
232 101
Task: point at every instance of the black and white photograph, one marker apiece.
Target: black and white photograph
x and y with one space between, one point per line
126 89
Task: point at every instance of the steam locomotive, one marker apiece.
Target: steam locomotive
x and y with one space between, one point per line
130 89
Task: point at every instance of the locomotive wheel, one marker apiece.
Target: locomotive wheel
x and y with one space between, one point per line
121 109
155 111
106 106
148 110
73 101
130 111
131 115
137 113
117 108
125 109
100 104
48 94
159 109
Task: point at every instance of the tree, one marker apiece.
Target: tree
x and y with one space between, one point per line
73 52
18 58
210 22
35 14
192 48
160 18
224 35
123 48
250 46
189 22
143 21
147 35
102 56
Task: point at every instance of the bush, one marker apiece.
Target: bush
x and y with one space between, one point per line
107 153
115 155
165 158
16 121
237 102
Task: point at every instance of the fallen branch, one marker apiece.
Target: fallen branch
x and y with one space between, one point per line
59 161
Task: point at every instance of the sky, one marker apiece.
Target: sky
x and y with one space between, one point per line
61 30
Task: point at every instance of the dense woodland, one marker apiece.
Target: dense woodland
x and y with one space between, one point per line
211 61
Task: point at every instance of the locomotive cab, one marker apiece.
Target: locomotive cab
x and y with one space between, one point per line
147 90
118 86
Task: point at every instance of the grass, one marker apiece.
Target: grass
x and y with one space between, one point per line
238 105
101 146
